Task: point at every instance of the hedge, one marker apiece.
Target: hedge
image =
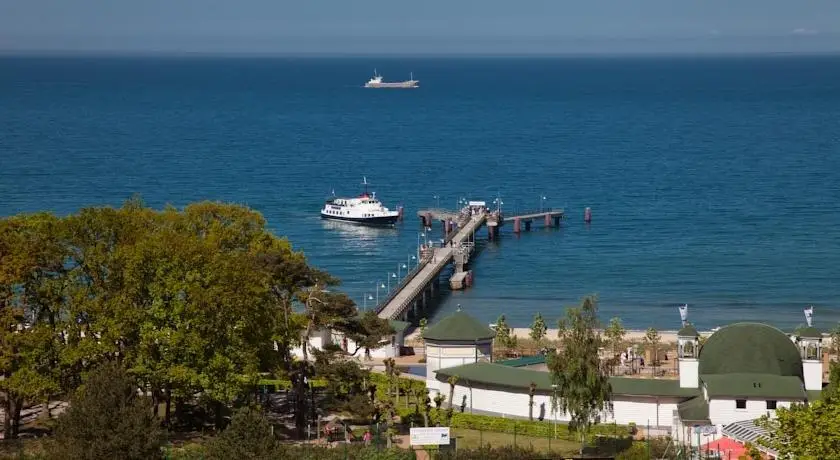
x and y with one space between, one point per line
199 452
283 384
534 428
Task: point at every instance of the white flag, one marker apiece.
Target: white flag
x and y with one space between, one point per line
809 315
684 313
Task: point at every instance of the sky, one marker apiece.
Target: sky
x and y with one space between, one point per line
424 26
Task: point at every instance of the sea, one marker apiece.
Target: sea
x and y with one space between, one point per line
713 181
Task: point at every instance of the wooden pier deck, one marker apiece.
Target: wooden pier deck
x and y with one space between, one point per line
536 215
397 305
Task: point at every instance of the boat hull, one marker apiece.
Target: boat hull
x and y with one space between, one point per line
403 84
379 221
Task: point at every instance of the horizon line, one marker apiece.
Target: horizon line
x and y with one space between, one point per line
406 54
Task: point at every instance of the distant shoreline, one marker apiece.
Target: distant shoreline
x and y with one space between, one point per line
630 335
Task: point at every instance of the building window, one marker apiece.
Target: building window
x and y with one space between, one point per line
740 403
771 405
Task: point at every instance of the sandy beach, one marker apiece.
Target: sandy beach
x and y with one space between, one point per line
631 335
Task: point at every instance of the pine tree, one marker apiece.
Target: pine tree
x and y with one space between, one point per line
538 329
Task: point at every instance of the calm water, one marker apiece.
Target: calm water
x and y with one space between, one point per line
713 181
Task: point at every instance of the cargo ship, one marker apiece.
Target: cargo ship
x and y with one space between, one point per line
376 82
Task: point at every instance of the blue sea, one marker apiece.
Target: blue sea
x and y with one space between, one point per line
713 181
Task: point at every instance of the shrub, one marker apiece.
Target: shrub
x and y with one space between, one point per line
537 429
198 452
107 419
495 453
248 437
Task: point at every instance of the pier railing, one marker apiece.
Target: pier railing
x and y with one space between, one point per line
529 212
424 260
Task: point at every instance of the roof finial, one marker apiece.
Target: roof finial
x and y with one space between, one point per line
459 307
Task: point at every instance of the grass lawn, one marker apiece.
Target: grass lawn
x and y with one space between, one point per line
474 438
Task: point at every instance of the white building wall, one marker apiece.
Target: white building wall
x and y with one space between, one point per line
514 403
643 411
509 403
689 372
443 356
317 341
723 412
390 350
813 373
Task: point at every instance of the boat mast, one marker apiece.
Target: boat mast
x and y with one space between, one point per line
365 183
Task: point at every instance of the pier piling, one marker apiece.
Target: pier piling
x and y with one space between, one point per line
517 225
587 215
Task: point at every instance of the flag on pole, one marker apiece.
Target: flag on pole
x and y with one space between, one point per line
684 313
809 315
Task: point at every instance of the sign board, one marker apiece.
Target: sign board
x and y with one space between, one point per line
477 203
429 436
706 430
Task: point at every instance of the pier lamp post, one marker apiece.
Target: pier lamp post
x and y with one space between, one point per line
437 201
389 276
542 202
400 268
378 285
409 259
367 297
498 202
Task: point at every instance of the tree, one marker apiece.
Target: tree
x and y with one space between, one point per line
807 432
652 339
107 419
248 436
615 333
368 331
538 329
424 323
31 313
532 390
504 335
835 342
452 380
583 387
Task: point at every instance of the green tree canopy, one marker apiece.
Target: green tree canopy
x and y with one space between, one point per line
192 301
807 432
538 329
583 388
107 419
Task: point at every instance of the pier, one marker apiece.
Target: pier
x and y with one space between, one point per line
457 246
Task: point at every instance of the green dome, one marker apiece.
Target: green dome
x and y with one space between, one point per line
458 327
750 348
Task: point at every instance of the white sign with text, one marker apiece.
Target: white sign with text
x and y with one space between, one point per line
430 436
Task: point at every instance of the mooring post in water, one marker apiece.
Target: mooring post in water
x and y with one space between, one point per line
587 215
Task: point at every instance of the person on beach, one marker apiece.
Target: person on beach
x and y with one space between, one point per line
367 437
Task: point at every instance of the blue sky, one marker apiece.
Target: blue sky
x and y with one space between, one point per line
430 26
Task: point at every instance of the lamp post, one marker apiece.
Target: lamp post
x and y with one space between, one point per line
498 202
367 297
400 267
390 275
423 234
554 406
409 259
542 202
378 283
437 201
